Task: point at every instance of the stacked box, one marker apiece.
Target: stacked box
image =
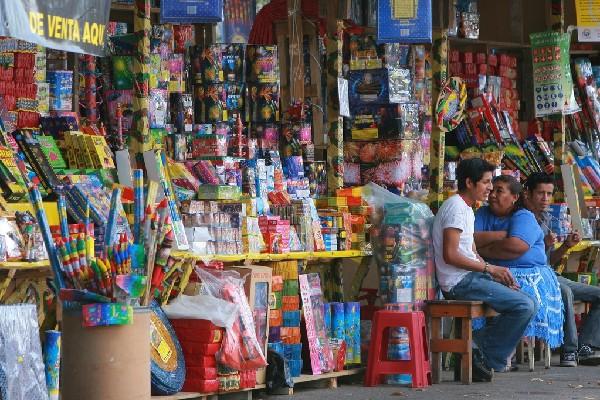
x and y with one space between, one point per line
275 312
200 341
495 75
229 379
276 234
352 332
291 318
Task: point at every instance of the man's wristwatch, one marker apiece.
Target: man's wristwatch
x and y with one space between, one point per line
485 267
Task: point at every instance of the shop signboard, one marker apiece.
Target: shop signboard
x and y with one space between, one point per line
552 82
191 11
588 13
405 21
77 26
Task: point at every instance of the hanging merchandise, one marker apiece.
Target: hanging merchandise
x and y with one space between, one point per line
450 107
552 81
405 21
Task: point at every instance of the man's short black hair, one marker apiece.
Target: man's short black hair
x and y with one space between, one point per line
538 178
472 168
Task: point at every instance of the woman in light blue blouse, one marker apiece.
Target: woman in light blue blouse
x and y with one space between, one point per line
506 234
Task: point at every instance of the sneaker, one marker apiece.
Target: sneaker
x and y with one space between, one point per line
568 359
481 373
587 356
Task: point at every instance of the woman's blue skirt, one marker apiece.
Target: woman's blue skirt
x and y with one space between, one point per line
541 284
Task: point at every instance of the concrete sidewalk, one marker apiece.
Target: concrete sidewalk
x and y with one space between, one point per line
555 383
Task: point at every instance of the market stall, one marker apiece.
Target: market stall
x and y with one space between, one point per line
160 164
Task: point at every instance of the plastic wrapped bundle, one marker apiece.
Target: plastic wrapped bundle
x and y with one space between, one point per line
21 364
401 240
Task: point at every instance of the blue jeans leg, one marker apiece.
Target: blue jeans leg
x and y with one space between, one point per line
501 334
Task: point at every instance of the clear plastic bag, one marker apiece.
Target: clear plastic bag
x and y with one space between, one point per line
402 248
21 364
220 312
240 349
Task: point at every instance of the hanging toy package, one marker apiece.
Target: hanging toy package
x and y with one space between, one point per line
240 349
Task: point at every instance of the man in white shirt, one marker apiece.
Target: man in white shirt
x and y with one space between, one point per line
464 275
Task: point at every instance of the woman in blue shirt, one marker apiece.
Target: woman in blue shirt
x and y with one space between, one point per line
508 235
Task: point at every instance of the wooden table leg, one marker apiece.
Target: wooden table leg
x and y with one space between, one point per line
436 358
466 372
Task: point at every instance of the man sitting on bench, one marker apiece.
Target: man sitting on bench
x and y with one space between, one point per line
538 196
463 275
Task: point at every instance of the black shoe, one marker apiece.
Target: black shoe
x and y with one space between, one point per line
481 373
568 359
587 356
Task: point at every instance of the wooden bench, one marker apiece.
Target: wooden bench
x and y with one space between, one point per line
463 312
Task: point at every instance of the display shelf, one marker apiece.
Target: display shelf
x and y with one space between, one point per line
24 265
584 52
300 255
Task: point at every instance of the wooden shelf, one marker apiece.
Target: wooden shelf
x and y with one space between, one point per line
24 265
288 391
329 375
131 8
301 255
199 396
490 44
584 52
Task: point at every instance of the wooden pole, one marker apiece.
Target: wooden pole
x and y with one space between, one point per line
440 75
140 141
555 20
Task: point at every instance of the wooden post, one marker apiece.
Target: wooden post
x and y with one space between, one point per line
140 141
436 163
296 35
555 20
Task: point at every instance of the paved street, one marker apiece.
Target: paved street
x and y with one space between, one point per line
582 383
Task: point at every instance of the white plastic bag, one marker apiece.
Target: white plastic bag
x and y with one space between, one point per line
220 312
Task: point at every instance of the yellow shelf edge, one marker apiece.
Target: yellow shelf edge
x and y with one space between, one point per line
24 264
300 255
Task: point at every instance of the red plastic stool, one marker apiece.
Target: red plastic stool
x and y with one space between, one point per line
418 365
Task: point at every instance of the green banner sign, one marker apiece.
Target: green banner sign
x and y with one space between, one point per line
552 81
78 26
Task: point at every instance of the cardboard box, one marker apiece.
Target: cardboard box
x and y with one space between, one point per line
258 288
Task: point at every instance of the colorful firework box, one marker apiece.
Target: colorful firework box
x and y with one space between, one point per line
262 64
210 103
321 356
368 87
11 180
106 314
124 98
264 102
370 122
232 62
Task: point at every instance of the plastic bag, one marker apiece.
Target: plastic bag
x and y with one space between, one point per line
278 372
21 364
402 248
240 349
220 312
